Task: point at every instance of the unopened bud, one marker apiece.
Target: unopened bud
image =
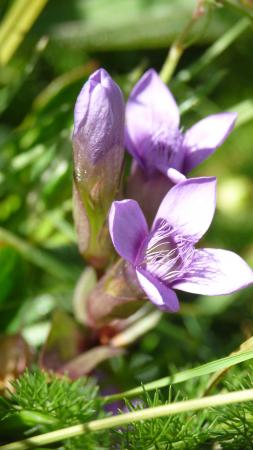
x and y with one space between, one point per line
98 151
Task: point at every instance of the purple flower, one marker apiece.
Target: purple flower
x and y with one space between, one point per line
153 136
165 257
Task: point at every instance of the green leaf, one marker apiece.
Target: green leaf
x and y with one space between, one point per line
132 24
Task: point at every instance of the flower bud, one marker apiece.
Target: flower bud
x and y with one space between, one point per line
98 151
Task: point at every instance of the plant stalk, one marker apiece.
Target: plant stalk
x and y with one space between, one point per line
178 46
129 418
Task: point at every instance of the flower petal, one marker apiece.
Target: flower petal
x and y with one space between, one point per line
215 272
157 292
204 137
128 228
175 176
151 114
189 207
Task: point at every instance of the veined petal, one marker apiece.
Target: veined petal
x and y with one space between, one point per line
189 207
215 272
128 228
204 137
151 114
159 294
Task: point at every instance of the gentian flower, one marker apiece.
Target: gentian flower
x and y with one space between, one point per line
98 151
153 136
165 258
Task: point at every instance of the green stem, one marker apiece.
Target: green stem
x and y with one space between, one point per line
178 47
171 62
129 418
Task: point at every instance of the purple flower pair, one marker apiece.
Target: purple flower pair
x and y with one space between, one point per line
164 257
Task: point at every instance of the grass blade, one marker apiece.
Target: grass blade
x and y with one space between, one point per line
18 21
188 374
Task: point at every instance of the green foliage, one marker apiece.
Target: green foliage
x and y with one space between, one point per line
233 427
184 431
44 403
227 427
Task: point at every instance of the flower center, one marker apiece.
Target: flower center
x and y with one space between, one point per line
166 150
167 254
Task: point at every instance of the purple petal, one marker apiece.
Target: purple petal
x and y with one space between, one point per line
175 176
215 272
157 292
189 207
151 114
128 228
204 137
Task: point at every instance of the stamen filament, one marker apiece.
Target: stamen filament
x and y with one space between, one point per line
168 255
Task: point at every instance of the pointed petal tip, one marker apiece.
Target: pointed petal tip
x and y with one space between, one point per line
227 120
203 138
99 75
233 115
95 81
149 74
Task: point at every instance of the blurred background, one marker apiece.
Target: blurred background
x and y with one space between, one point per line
47 51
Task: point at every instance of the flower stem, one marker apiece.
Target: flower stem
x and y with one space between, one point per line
136 330
171 62
129 418
178 47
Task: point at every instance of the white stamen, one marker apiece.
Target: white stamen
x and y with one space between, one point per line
168 255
